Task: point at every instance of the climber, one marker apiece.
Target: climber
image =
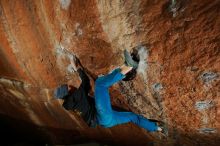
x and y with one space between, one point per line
78 99
98 110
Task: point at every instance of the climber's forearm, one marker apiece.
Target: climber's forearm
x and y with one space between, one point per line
125 69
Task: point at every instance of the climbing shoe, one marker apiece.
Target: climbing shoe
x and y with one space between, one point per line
164 128
129 61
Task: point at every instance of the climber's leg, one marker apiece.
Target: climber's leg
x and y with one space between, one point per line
103 105
125 117
109 79
102 97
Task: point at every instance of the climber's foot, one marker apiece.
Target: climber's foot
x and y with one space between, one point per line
162 127
159 129
129 61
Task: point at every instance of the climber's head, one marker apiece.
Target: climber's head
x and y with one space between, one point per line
61 91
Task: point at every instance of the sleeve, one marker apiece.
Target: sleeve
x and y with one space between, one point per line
68 102
85 85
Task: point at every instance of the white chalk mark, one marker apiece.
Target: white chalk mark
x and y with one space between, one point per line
143 55
174 8
207 130
78 30
157 87
208 77
65 4
65 54
203 105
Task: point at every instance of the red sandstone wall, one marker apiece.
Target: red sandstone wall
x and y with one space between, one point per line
178 78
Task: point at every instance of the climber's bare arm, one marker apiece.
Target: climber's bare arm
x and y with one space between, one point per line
125 69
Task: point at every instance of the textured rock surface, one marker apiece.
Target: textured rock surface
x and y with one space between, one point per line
178 77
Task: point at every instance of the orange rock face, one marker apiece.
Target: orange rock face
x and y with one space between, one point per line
178 80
